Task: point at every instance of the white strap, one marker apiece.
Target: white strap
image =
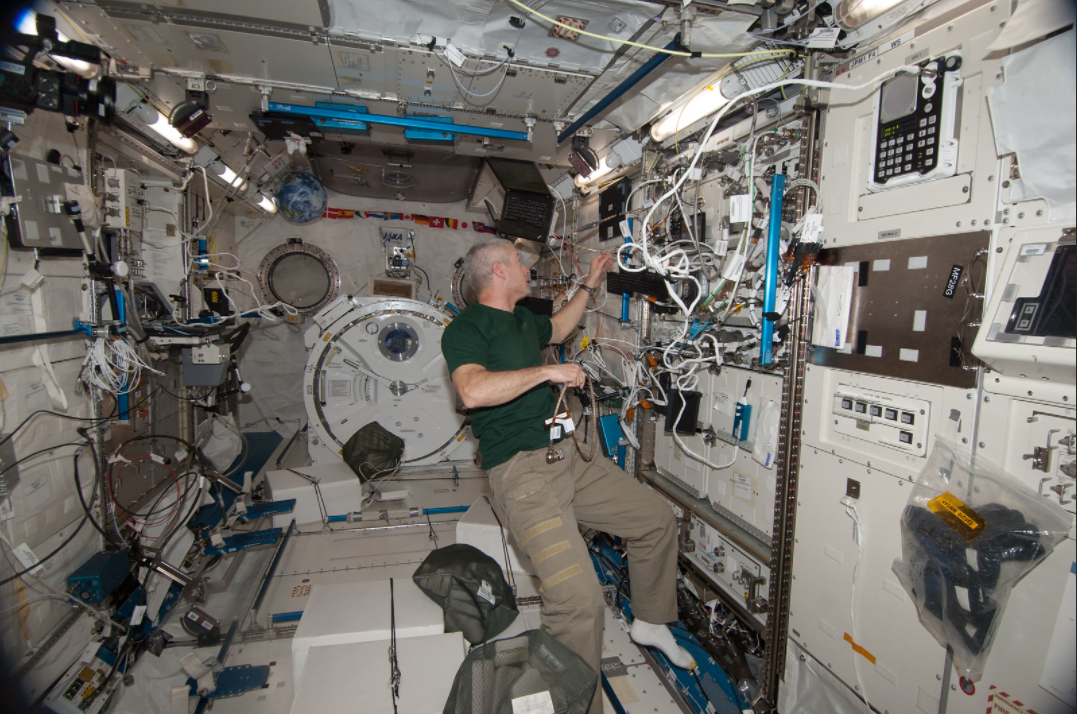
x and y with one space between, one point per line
196 670
40 356
179 700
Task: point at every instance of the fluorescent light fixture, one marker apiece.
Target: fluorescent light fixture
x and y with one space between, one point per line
26 24
227 175
602 170
851 14
159 124
266 203
683 115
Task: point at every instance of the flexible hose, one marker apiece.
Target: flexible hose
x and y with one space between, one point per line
594 421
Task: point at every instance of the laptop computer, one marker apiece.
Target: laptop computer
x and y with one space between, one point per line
528 210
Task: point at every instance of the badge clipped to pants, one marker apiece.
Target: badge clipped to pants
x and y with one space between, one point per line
555 424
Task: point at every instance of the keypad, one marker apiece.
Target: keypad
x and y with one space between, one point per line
907 145
521 209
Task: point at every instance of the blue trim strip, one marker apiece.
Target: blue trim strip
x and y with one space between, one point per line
338 114
448 509
774 234
286 616
618 91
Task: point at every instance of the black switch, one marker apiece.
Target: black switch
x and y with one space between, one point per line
907 418
861 408
905 437
846 403
891 414
876 410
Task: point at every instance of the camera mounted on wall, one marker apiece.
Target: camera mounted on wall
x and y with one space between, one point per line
25 87
192 116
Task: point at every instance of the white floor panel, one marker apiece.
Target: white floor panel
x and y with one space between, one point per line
358 553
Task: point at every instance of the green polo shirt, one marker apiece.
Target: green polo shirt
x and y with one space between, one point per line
502 341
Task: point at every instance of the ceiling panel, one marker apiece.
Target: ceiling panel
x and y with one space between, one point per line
296 12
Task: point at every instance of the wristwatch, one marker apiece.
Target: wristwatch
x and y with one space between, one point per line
591 291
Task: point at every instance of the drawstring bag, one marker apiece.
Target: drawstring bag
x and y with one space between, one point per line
373 452
531 672
470 587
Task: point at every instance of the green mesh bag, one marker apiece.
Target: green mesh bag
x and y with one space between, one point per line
471 589
373 452
532 665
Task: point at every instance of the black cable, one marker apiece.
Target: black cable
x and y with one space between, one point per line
190 400
394 663
78 487
38 453
429 285
60 415
504 544
50 555
86 517
55 414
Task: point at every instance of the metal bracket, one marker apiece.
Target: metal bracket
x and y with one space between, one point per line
1041 455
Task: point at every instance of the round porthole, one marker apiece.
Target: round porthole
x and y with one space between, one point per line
299 275
398 341
398 179
462 292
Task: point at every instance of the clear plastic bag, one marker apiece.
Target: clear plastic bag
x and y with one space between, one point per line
969 533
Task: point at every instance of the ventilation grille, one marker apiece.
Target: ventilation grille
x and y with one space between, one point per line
898 98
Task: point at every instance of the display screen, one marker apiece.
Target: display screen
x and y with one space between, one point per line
518 175
1054 312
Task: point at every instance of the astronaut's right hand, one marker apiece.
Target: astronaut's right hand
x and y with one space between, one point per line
568 374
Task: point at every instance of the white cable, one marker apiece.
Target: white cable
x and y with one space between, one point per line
858 533
671 264
114 366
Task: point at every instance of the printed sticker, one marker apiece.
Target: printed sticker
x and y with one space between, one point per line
966 522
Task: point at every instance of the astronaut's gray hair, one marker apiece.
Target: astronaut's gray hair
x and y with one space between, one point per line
480 259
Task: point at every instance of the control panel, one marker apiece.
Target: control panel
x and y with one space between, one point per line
886 419
121 206
915 117
730 567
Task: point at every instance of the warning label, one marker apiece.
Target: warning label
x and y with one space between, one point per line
999 702
967 522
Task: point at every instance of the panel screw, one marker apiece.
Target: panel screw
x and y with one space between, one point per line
999 249
959 224
968 395
1005 184
987 399
964 440
1021 214
990 179
982 445
1039 212
964 189
938 677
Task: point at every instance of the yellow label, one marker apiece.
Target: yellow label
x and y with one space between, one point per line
584 342
966 522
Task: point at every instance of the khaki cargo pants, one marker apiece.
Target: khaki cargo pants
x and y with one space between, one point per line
545 505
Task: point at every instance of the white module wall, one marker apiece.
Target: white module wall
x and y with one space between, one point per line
965 201
901 665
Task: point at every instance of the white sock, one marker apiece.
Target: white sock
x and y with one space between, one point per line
644 633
